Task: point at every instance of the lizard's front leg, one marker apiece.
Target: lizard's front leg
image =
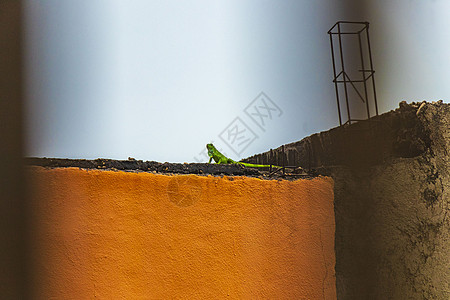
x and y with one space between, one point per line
210 160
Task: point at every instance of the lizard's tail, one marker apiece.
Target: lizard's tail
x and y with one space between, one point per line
257 166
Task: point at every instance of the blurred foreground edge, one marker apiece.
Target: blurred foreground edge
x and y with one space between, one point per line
13 213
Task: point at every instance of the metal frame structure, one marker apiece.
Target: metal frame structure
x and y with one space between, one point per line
366 73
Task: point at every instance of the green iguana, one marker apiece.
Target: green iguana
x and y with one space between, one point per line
219 158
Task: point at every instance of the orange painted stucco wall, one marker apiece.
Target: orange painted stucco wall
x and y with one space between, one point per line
121 235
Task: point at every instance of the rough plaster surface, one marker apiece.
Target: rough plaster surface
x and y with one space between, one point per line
120 235
392 242
392 201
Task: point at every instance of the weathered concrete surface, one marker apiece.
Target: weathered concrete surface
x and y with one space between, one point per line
133 165
399 133
137 166
392 200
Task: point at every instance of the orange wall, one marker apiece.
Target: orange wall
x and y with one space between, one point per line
121 235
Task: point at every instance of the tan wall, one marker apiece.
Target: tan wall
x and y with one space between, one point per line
119 235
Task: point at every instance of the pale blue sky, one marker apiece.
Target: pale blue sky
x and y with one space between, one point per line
157 80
